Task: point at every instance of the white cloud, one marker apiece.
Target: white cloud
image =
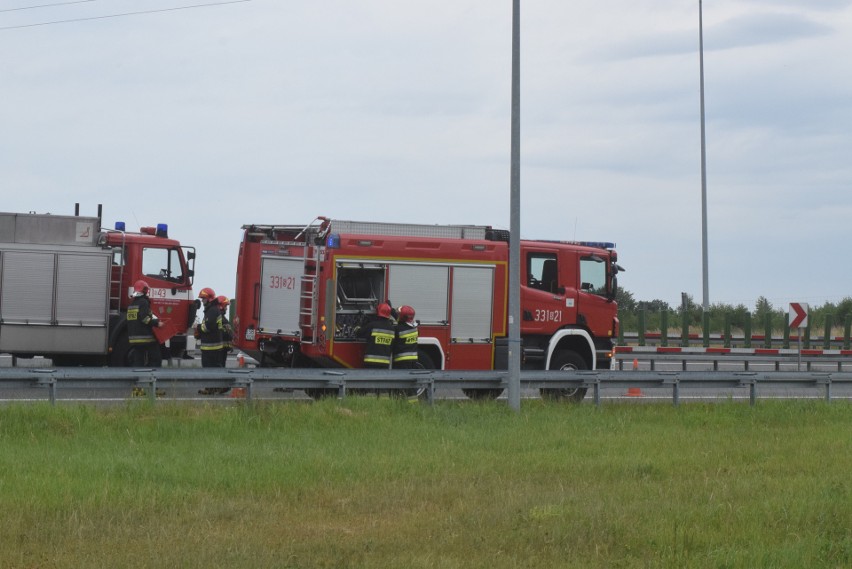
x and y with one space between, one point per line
264 112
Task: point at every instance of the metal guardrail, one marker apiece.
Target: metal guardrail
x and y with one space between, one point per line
735 341
778 359
149 379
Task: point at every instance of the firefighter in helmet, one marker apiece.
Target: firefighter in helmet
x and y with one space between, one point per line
209 332
379 334
405 341
227 330
141 321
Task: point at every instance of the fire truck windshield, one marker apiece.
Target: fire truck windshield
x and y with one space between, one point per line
593 275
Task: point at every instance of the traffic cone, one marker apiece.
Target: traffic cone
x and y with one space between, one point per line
241 360
237 393
634 392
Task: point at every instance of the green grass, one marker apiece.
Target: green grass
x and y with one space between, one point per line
383 483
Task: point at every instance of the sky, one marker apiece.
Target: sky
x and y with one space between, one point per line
264 111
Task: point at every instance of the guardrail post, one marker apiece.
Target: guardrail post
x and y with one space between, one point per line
642 327
706 328
826 338
767 330
50 383
747 331
664 327
727 333
684 331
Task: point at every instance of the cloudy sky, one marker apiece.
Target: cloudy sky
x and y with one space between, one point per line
266 111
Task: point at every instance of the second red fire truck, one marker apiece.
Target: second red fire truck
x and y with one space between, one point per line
304 290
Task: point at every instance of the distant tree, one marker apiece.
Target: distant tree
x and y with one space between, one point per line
655 305
762 307
844 309
625 299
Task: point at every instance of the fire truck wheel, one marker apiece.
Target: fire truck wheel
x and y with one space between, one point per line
482 394
567 360
319 393
424 361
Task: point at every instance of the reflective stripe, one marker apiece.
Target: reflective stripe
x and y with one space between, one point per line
211 346
376 360
405 357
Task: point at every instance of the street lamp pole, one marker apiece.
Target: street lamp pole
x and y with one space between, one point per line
514 387
704 256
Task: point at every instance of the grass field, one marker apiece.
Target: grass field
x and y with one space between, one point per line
386 483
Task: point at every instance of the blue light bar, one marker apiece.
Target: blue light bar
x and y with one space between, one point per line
598 244
333 241
119 226
162 230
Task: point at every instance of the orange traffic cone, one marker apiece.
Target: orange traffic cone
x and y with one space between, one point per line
237 393
634 391
241 360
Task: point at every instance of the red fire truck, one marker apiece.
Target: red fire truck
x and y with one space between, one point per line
302 291
65 284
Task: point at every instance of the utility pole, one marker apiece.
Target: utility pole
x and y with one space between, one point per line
704 260
514 390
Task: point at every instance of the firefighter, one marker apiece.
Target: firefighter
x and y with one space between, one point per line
227 330
405 341
379 334
141 321
210 330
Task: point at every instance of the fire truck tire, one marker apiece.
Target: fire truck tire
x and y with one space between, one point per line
320 393
424 361
566 360
482 394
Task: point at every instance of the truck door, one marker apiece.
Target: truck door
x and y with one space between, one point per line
280 291
592 299
547 302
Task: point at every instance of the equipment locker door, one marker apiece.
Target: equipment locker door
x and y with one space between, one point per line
280 291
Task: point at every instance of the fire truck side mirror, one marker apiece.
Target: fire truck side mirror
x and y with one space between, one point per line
190 255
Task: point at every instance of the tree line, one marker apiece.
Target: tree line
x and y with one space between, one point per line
737 316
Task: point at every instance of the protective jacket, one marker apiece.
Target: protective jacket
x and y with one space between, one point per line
405 345
211 328
140 321
379 334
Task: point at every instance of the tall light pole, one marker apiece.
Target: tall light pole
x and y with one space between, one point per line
706 302
514 388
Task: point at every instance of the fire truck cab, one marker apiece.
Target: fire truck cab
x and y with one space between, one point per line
303 292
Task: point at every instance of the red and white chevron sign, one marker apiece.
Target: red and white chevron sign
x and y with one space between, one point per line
798 316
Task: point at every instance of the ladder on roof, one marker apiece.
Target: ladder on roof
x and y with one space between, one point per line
309 295
410 229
